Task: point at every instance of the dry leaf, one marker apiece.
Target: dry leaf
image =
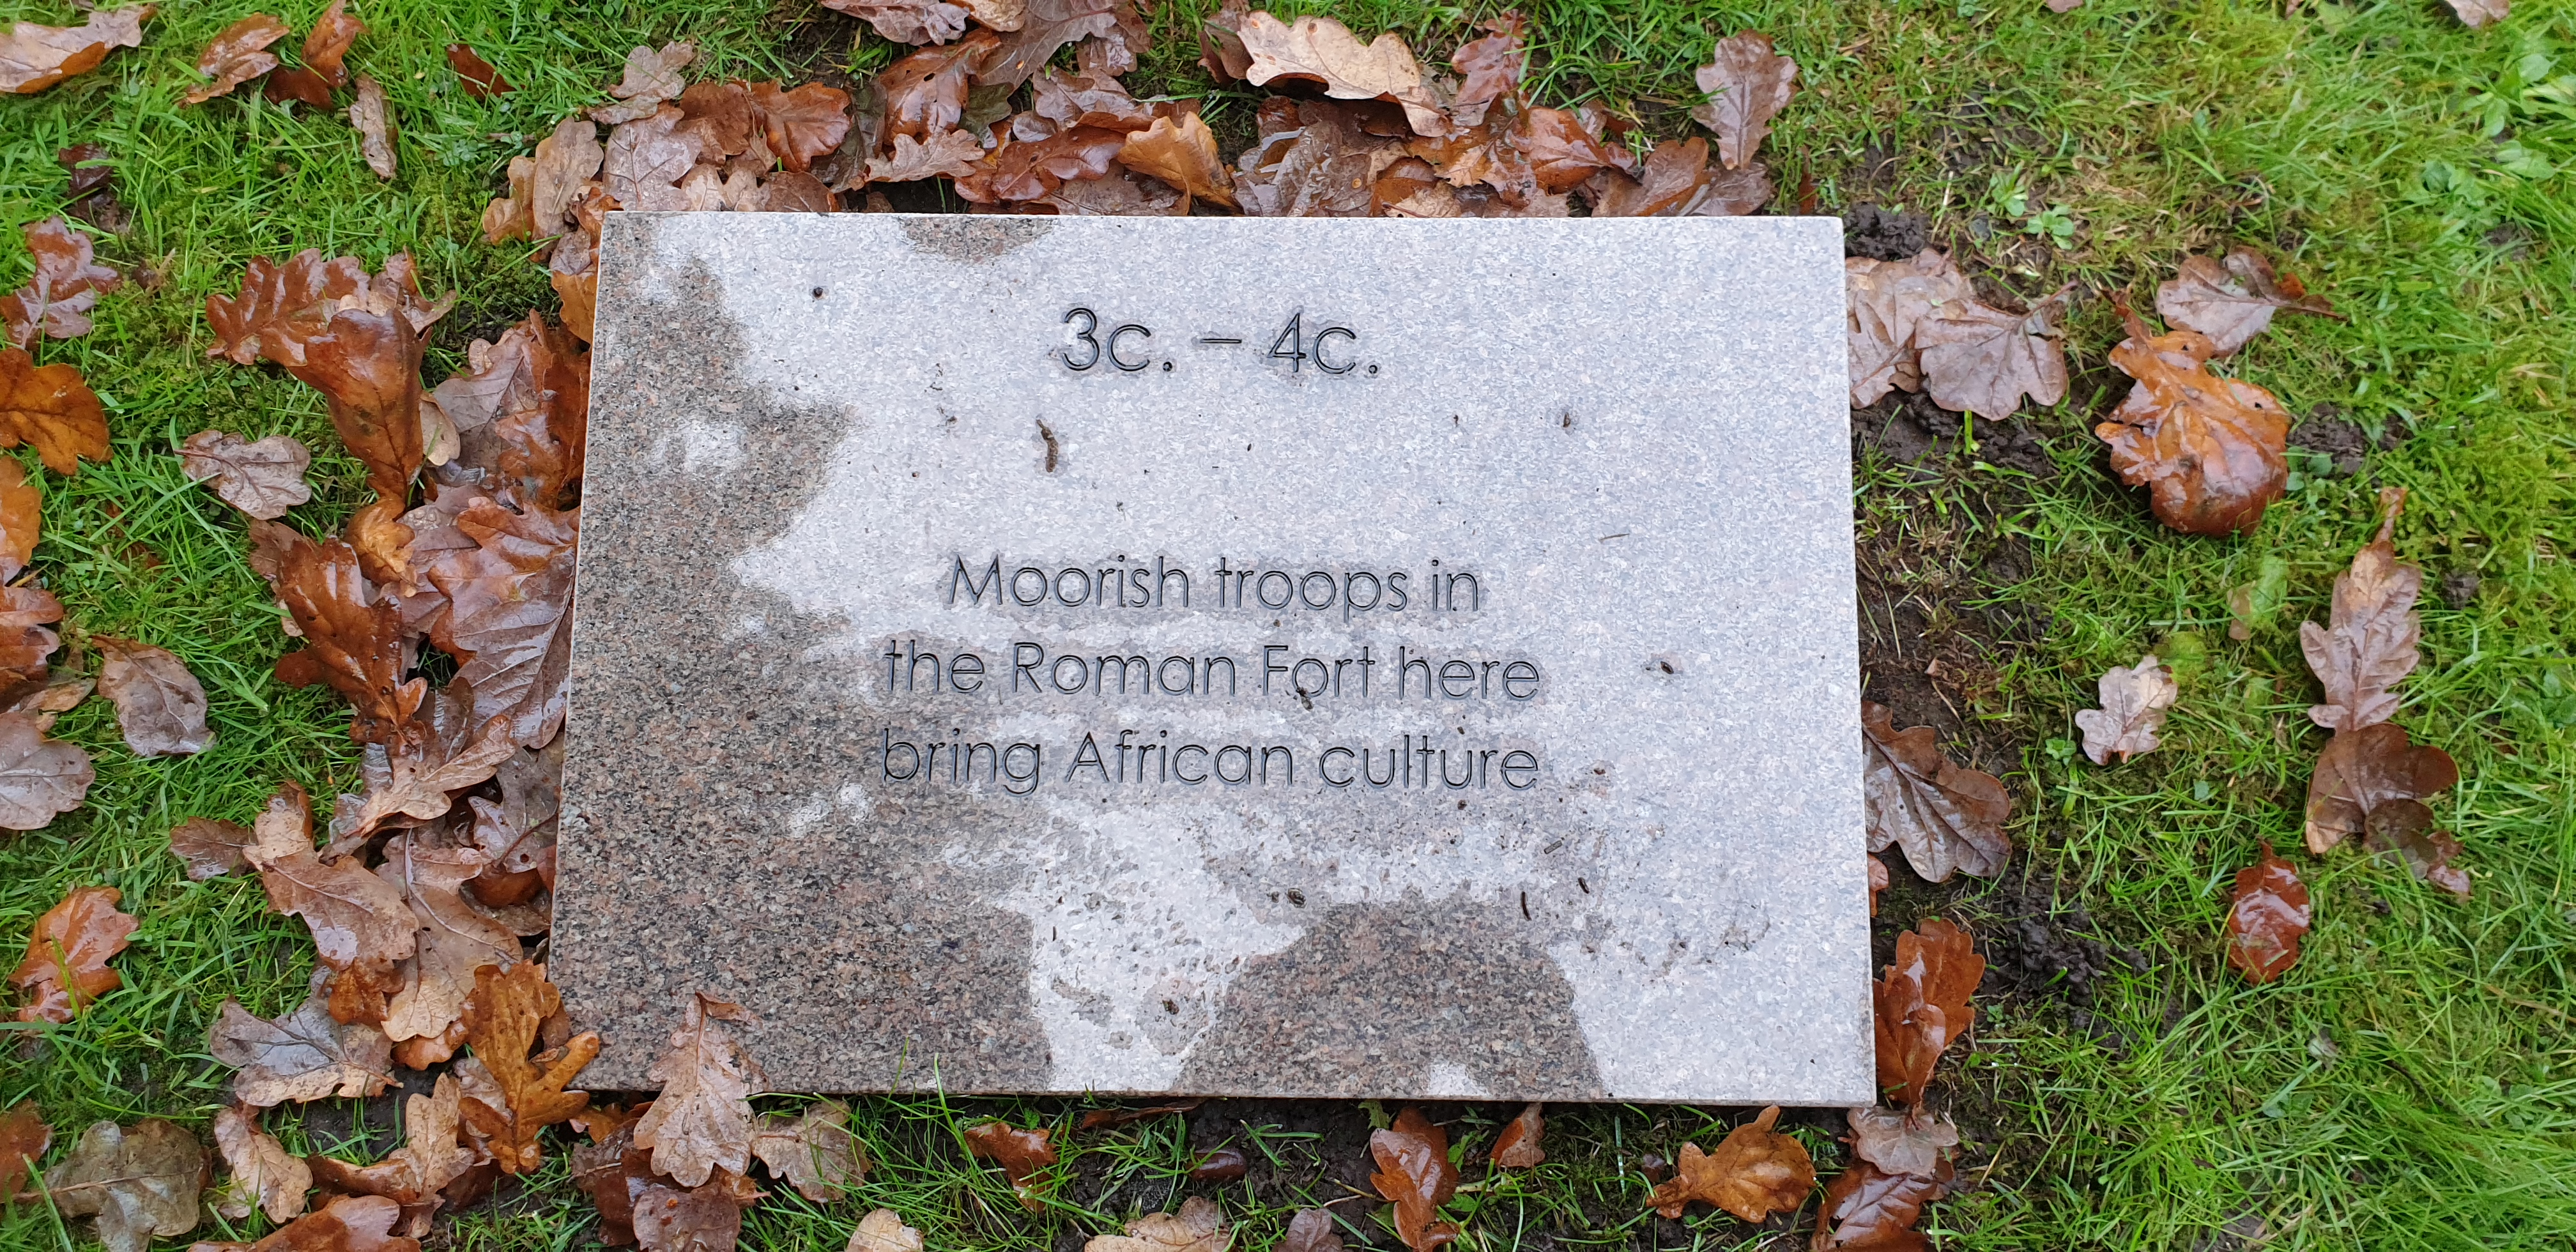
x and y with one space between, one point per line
354 640
2362 770
1748 85
1868 1208
2478 13
882 1231
803 124
304 1055
1517 1147
2134 703
813 1151
1311 1230
264 1174
2370 640
21 518
2266 921
651 78
237 56
1945 818
2214 450
1183 154
141 1184
907 21
160 706
2405 828
50 408
1754 1171
1982 360
1415 1174
1021 1154
1902 1141
374 122
34 57
58 297
1889 301
24 1137
503 1018
39 777
1319 49
263 479
1922 1005
2233 300
477 76
1046 26
1198 1227
67 954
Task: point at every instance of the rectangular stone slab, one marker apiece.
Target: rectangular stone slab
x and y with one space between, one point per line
1330 657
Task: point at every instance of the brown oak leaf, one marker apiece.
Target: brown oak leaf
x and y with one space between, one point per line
646 159
503 1018
2362 770
1183 154
364 357
262 478
236 56
66 968
354 639
34 57
305 1055
1490 68
58 297
1562 153
652 76
475 74
432 1156
1311 1230
1415 1174
1945 818
2477 13
1517 1147
1314 158
2231 300
1889 301
1902 1141
813 1151
141 1183
802 124
456 939
1877 882
26 643
2371 637
160 706
2134 703
373 118
24 1136
209 848
1983 360
1022 170
349 1223
265 1175
1922 1005
882 1231
949 154
510 620
925 93
2406 829
907 21
1198 1227
702 1120
39 777
2269 916
1754 1171
51 409
327 48
1748 84
362 928
1665 184
2214 451
1046 26
1869 1208
1020 1152
1068 100
705 1218
1321 50
22 514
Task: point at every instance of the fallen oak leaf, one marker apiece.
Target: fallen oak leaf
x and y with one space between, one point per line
1094 1119
305 1055
455 940
140 1183
1517 1147
34 57
2372 636
949 154
160 706
925 93
431 1157
1069 100
1868 1208
2362 770
1045 26
1944 817
2134 703
1020 1152
907 21
1414 1173
1902 1141
24 1136
1983 360
68 950
702 1120
651 77
354 640
1748 84
813 1151
349 1223
479 79
882 1231
1490 68
236 56
262 478
503 1018
325 51
1198 1227
704 1218
22 511
2475 14
2231 300
51 409
58 298
610 1170
420 773
209 848
1315 158
1221 50
1754 1172
2406 829
2266 919
1319 49
1562 153
362 927
1219 1165
1922 1005
265 1175
1877 882
26 645
1182 154
802 124
39 777
1311 1230
1889 301
373 119
2214 451
511 614
1672 174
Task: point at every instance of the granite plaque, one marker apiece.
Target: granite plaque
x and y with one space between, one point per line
1267 657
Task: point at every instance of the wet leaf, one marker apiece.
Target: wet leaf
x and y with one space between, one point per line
1490 69
1983 360
1665 184
2214 451
2477 13
652 76
354 640
802 124
34 57
362 928
478 77
1311 1230
1877 883
882 1231
25 645
1020 1153
813 1151
1183 154
1033 169
1868 1208
264 1174
949 154
2362 770
141 1183
1321 50
907 21
705 1218
51 409
1314 159
305 1055
1945 818
263 479
1889 301
2269 916
21 518
58 298
237 56
2371 638
1221 50
503 1018
647 158
1220 1165
1562 153
2134 703
1094 1119
510 620
1198 1227
67 954
1069 100
374 121
357 341
1903 1141
2231 300
39 777
1754 1171
327 47
431 1156
925 93
1517 1147
1922 1005
160 706
1415 1174
2406 830
1047 26
349 1223
702 1120
455 938
1748 85
23 1139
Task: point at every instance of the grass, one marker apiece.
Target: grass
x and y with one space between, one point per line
2411 1084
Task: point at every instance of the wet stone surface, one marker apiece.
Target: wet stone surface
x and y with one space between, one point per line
1262 658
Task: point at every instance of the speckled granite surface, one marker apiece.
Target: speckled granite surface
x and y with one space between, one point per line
1464 707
